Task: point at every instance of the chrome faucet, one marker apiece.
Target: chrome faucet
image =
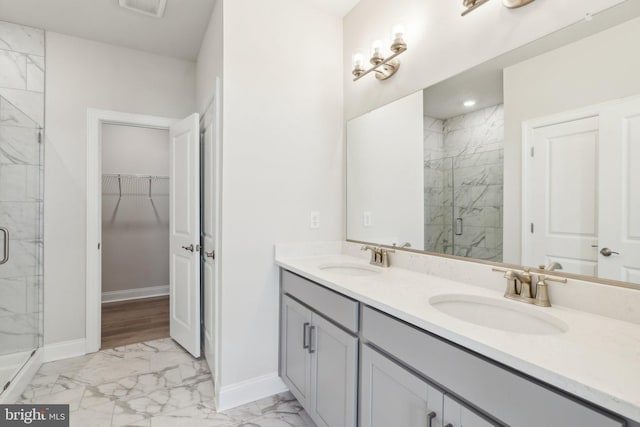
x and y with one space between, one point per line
402 246
379 256
551 267
525 278
554 266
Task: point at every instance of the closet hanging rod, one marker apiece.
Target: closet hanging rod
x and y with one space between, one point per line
134 178
129 175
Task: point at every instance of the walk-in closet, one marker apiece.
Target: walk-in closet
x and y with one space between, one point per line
135 234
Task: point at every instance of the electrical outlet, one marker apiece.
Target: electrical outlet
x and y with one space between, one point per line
367 219
314 219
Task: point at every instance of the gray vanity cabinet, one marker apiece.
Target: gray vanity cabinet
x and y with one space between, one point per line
392 396
502 393
295 369
334 360
318 356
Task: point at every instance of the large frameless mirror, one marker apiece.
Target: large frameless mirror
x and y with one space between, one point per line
528 159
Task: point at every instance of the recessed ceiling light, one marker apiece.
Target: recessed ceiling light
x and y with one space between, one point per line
469 103
153 8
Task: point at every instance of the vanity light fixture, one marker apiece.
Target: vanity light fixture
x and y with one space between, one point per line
381 66
471 5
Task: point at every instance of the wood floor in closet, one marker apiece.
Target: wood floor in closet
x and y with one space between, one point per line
130 322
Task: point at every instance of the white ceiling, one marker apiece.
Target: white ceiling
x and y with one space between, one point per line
179 34
335 7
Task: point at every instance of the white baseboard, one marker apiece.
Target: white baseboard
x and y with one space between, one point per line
248 391
22 379
129 294
64 350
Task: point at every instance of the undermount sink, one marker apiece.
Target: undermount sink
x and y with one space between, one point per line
350 269
509 316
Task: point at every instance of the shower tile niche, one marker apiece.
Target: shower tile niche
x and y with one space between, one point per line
463 176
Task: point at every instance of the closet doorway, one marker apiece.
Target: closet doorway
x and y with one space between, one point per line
135 234
143 230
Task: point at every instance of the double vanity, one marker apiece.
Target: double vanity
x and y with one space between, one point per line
369 346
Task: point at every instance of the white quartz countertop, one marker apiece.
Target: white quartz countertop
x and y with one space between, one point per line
597 358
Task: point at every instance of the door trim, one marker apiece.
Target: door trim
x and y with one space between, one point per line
212 115
93 285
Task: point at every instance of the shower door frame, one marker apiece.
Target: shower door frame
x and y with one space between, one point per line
95 119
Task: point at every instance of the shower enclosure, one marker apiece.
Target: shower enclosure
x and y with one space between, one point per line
21 243
463 205
463 184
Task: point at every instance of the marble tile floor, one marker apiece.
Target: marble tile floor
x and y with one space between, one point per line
153 384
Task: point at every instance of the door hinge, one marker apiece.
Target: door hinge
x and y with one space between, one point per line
98 246
40 137
533 150
531 228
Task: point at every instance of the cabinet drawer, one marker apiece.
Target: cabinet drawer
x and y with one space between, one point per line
505 395
336 307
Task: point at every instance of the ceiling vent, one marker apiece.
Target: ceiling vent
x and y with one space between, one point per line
153 8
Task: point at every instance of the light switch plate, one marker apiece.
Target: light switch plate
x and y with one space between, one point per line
367 219
314 219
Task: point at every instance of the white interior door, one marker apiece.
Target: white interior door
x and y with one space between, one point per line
562 196
209 234
184 254
620 192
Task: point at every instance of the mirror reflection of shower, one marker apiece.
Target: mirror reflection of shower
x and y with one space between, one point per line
463 179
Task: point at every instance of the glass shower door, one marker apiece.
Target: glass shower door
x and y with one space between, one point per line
21 245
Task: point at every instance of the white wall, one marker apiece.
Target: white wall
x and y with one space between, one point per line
84 74
442 43
386 174
209 65
596 69
135 229
282 159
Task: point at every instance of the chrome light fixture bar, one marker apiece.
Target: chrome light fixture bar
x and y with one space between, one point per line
472 5
382 67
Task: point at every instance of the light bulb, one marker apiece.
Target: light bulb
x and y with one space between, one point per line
469 103
397 31
358 64
397 35
358 60
376 52
376 46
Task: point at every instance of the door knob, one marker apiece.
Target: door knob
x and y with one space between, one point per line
189 248
608 252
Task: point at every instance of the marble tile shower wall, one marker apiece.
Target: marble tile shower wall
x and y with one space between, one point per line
22 70
438 189
464 184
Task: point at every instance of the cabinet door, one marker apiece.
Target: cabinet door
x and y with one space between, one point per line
458 415
295 367
334 358
392 396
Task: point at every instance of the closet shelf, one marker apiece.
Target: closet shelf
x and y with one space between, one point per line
135 185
